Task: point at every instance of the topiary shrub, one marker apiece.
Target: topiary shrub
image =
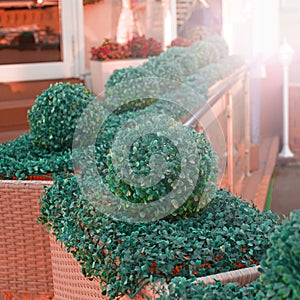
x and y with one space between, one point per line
53 116
21 158
219 44
178 62
170 160
209 51
145 156
125 74
172 68
280 267
228 234
210 74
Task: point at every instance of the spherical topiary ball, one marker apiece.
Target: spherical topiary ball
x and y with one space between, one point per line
169 168
55 112
280 267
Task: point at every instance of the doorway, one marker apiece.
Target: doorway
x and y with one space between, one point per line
41 39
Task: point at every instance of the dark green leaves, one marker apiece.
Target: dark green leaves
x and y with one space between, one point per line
54 115
280 266
201 245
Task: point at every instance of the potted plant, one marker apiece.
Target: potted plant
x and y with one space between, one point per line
210 232
278 272
181 42
27 164
111 56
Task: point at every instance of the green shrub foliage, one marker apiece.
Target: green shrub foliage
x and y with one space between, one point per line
175 64
280 267
53 116
174 179
129 141
226 235
209 51
21 158
135 89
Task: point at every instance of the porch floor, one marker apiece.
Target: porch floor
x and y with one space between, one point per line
286 189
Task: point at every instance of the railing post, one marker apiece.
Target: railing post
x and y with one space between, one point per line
247 117
230 154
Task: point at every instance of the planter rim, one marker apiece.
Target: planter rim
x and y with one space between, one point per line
123 59
24 181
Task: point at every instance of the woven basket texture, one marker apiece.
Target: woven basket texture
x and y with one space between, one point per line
70 284
25 259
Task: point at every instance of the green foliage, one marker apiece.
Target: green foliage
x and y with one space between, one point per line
125 74
280 267
209 75
130 86
209 51
53 116
165 142
21 158
173 65
219 44
167 159
125 256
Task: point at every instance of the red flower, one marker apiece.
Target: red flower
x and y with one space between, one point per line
138 47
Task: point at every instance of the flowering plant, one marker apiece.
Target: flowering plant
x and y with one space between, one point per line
142 47
137 47
109 50
181 42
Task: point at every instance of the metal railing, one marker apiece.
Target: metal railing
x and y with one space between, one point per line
226 121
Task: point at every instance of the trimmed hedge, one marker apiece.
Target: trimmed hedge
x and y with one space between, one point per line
175 64
145 156
21 158
228 234
53 116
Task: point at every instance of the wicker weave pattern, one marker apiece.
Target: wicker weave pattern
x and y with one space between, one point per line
69 283
25 260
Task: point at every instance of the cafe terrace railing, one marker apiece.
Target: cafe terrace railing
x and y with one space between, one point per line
227 125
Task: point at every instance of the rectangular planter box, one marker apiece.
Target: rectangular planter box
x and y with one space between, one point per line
25 260
101 71
70 284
